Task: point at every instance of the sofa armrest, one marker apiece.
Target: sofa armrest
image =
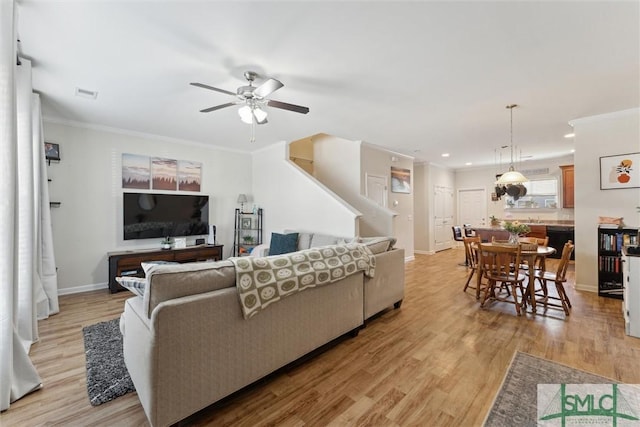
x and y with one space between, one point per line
387 287
260 250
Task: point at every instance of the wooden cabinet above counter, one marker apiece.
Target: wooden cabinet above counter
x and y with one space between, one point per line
567 186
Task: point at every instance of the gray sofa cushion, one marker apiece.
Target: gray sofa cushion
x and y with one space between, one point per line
379 244
304 238
167 282
318 240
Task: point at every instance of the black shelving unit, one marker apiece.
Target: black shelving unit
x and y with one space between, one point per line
610 243
248 232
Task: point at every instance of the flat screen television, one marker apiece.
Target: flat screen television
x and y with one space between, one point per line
152 215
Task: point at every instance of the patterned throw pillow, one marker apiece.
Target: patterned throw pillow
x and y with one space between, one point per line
133 284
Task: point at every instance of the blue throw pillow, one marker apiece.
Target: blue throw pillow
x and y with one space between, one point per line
283 243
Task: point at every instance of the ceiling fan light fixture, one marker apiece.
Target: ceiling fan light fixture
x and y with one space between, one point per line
260 115
245 114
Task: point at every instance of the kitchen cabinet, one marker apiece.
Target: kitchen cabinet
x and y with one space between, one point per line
567 186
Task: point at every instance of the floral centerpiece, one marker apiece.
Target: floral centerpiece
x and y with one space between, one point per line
515 228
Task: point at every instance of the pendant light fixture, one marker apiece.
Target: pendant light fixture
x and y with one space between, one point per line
512 176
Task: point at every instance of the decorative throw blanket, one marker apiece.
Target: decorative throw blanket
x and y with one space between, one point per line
264 280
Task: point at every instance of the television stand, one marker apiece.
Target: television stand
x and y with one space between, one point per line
129 263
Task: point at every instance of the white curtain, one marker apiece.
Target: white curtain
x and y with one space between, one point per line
28 284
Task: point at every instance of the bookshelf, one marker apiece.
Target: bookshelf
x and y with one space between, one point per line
610 243
248 232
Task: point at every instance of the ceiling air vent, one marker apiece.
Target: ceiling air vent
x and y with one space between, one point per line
84 93
540 171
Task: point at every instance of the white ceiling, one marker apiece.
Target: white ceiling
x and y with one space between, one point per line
420 78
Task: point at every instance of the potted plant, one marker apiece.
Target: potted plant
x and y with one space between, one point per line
515 228
247 239
494 221
166 243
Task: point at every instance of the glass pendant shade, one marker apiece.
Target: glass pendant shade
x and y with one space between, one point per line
511 177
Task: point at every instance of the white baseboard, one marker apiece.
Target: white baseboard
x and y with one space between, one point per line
425 252
84 288
409 258
586 288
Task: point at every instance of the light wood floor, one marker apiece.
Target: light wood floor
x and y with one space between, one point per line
438 361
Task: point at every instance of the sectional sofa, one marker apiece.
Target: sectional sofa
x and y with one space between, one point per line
187 343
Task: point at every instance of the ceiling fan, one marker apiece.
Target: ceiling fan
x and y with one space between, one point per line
254 99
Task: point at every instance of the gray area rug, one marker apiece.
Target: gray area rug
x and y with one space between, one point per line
515 403
107 375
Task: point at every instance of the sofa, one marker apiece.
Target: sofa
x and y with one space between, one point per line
187 343
383 290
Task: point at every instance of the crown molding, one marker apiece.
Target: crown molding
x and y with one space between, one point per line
143 135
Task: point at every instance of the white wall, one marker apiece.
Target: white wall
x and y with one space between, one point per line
375 160
422 234
597 136
292 199
87 181
336 164
486 177
429 176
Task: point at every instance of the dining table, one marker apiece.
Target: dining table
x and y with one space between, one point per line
528 254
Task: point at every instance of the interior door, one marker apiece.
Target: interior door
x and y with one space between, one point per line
472 207
376 189
443 217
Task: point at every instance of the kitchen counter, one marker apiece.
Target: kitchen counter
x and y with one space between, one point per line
558 233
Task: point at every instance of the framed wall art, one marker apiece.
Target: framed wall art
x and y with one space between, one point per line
246 223
189 175
164 174
51 151
136 172
620 171
400 180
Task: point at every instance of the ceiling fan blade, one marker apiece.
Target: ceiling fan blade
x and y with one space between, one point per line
290 107
267 88
217 107
212 88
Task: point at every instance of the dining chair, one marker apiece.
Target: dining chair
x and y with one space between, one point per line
468 230
496 264
458 237
539 264
559 278
471 246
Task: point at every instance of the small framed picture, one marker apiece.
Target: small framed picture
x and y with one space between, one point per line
51 151
620 171
246 223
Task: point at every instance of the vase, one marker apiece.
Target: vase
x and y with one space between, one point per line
513 238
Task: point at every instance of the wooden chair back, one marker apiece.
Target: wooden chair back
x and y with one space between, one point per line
471 246
497 261
537 240
564 261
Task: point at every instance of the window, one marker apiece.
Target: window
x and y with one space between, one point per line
541 194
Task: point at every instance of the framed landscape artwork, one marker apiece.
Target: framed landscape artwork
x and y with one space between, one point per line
620 171
164 174
136 172
189 175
